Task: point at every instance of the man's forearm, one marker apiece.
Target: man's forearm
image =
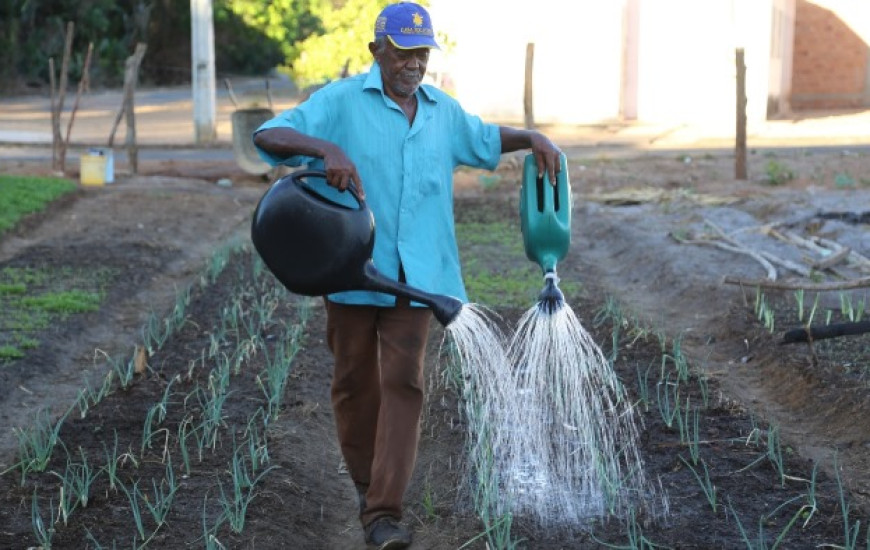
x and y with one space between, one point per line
514 139
287 142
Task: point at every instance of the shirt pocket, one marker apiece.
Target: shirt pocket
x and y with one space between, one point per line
430 170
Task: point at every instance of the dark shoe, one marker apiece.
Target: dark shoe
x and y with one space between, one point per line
385 533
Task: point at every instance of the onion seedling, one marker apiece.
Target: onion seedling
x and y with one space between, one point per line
163 496
36 444
706 484
850 530
43 533
243 484
668 405
133 498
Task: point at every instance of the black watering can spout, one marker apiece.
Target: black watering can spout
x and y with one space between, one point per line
315 246
445 308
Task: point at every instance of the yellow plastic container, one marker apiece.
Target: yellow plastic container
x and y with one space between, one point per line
96 167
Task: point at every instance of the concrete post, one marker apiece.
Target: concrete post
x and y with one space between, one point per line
203 71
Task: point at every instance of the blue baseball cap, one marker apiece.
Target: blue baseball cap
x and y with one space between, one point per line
407 25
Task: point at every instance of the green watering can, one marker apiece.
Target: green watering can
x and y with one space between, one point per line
545 221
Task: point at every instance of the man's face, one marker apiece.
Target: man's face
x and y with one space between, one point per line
402 70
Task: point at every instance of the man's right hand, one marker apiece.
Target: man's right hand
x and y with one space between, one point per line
285 142
341 171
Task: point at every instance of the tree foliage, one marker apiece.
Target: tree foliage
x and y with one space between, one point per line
311 40
256 36
347 30
32 31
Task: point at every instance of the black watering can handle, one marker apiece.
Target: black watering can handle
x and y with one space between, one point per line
297 177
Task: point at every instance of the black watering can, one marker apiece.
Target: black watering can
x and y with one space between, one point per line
315 246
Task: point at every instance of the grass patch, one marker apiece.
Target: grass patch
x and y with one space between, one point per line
491 253
22 195
32 298
72 301
13 288
10 352
777 173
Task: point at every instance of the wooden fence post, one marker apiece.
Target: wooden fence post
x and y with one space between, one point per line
740 146
84 84
131 74
528 104
57 98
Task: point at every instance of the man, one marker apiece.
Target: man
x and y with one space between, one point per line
398 142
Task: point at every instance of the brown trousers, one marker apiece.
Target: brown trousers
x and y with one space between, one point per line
377 397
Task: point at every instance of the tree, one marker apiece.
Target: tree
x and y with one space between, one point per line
33 31
313 41
347 30
264 31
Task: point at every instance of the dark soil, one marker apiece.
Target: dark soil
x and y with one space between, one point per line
778 426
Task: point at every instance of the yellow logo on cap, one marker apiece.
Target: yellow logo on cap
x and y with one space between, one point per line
418 19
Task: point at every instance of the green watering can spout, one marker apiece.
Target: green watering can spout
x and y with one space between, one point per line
545 214
551 298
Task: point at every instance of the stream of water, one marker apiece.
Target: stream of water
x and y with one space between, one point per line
552 433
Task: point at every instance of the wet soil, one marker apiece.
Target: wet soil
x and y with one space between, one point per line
767 413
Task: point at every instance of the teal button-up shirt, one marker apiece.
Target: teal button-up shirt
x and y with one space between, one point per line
407 172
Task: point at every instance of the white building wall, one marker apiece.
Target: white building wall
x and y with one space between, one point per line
687 59
578 62
685 66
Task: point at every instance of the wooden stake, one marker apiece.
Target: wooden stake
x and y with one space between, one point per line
737 249
528 104
131 73
57 106
797 285
84 84
740 146
55 115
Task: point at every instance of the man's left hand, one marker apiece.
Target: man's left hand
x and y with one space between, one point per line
547 156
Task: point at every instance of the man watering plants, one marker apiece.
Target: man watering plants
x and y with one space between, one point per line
398 141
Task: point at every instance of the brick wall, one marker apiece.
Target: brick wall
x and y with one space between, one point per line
830 62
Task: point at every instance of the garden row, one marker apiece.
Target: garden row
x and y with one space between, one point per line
139 451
